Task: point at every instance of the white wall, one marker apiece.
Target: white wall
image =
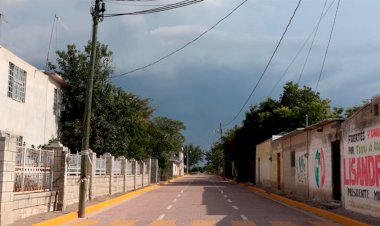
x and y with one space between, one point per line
33 120
263 169
361 161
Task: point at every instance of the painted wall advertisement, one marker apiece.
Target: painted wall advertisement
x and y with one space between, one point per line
361 165
301 165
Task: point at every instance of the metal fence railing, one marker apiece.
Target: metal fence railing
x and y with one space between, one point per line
100 166
146 169
138 168
129 168
74 164
33 170
117 167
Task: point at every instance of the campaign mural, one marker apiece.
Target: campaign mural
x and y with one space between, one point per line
320 168
361 164
301 163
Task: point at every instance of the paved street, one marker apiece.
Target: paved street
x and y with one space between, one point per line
201 200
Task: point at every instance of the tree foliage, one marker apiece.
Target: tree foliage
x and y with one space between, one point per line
272 117
215 159
195 154
165 139
121 122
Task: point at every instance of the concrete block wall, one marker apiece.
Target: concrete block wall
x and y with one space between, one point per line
65 188
117 184
27 204
101 185
71 190
130 182
7 169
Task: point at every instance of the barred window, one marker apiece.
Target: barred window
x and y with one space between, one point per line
19 141
57 106
16 83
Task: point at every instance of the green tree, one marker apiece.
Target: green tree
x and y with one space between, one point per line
195 154
119 120
165 139
215 159
273 117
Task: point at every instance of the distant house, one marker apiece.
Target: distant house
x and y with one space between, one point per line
265 175
304 163
30 100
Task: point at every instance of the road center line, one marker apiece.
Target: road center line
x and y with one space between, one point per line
181 191
225 196
179 195
229 200
161 217
169 207
235 207
175 200
243 217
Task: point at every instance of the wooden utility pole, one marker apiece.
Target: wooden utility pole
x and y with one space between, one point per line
96 13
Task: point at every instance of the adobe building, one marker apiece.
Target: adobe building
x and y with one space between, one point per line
264 161
360 164
304 163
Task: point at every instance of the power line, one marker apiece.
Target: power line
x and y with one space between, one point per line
267 66
299 51
184 46
158 9
127 4
312 42
328 46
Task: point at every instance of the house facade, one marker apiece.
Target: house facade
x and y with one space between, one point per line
30 100
265 172
304 163
360 162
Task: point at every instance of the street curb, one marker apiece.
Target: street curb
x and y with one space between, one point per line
320 212
74 215
171 180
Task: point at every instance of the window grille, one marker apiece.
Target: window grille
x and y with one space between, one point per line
117 167
138 168
74 164
57 106
16 83
33 170
129 168
146 169
19 141
100 166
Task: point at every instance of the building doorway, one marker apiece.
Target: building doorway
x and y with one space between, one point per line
278 171
335 152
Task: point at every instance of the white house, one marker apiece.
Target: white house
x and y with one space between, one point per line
30 100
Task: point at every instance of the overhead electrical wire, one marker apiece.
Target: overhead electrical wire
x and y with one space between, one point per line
128 4
156 10
267 65
299 51
184 46
312 42
328 46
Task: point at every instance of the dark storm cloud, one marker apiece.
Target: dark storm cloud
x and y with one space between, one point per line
207 82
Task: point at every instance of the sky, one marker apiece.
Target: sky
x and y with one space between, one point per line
207 82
